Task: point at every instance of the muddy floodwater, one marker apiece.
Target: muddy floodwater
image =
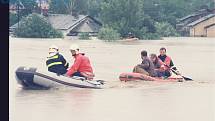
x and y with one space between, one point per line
118 101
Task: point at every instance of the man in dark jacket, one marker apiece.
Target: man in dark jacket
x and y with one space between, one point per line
146 67
56 62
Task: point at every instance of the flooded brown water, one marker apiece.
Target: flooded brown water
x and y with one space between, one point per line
119 101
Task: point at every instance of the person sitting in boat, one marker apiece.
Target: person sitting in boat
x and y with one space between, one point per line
167 62
146 67
81 66
56 62
130 35
158 65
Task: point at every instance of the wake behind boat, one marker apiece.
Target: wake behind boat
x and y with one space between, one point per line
32 78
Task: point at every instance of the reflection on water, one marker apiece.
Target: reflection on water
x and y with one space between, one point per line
138 101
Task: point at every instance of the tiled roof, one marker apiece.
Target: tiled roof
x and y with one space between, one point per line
186 17
61 21
64 21
201 20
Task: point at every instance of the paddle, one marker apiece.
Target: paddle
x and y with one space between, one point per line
185 78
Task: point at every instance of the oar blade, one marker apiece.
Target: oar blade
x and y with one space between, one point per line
187 79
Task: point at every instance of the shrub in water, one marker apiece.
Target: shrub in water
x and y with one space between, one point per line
165 29
108 34
84 36
13 19
36 26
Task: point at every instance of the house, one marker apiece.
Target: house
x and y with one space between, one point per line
182 24
203 27
74 25
210 30
71 25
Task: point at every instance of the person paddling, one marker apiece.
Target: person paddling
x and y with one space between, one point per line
167 62
56 62
146 67
81 66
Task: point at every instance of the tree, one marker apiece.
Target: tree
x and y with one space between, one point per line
68 6
94 8
165 29
12 1
81 6
25 6
170 10
84 36
123 16
13 19
108 34
61 6
36 26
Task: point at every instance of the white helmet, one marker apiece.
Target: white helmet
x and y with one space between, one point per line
74 47
54 47
53 50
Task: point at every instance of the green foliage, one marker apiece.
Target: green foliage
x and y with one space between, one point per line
108 34
61 6
26 7
13 19
151 36
81 6
36 26
165 29
123 15
12 1
68 6
30 6
84 36
94 7
170 10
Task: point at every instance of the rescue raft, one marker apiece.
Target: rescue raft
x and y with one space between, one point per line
130 76
32 78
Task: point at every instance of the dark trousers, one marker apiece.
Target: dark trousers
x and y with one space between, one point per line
77 74
167 73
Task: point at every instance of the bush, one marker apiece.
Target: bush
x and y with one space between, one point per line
152 36
36 26
84 36
165 29
13 19
108 34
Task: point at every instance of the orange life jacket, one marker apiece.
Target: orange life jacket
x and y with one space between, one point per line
166 63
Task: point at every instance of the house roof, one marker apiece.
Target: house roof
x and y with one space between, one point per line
188 16
64 21
201 20
67 21
210 26
198 13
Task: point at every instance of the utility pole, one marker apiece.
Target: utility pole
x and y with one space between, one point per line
40 8
18 13
18 4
